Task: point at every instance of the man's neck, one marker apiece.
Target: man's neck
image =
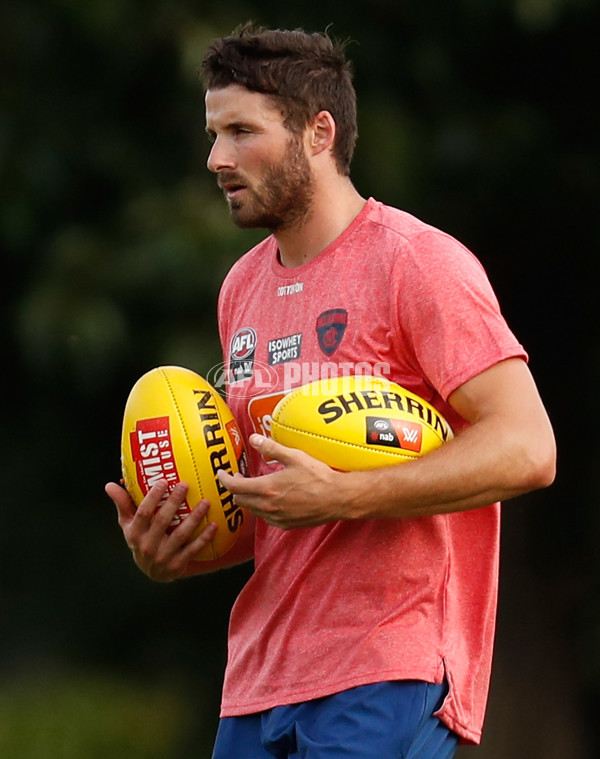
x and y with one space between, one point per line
332 212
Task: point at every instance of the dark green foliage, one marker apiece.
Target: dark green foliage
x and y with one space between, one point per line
477 116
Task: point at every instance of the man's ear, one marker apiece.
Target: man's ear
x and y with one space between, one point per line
321 133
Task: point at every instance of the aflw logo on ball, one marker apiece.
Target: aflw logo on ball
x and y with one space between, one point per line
396 433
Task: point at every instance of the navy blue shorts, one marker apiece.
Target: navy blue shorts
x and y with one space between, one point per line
391 720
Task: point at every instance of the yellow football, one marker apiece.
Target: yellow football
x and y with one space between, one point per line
177 427
358 422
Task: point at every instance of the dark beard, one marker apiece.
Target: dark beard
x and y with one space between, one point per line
284 198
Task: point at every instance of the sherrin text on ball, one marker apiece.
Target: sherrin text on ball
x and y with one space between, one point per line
358 422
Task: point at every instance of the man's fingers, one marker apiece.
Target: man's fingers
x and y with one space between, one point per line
162 545
248 489
199 543
228 480
183 534
160 507
270 450
122 500
191 536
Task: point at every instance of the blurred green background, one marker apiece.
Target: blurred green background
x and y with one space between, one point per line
478 116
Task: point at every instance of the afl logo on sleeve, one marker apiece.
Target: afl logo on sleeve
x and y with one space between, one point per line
241 355
331 326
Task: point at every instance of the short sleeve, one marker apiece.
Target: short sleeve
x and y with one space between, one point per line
448 313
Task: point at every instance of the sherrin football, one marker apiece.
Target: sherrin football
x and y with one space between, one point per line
177 427
358 422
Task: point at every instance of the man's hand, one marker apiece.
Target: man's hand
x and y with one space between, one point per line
304 493
161 556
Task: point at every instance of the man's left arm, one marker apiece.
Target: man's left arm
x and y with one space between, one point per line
507 450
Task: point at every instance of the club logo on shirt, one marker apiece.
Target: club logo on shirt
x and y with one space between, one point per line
284 349
241 354
395 433
331 326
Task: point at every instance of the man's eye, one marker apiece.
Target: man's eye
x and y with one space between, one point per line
243 130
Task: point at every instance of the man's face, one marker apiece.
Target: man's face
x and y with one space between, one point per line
260 165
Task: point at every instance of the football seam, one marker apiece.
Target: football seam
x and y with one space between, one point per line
360 447
185 432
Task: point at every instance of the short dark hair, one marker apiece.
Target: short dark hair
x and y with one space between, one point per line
303 72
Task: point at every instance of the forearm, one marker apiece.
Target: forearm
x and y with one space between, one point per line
466 473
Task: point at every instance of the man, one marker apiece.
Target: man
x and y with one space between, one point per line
367 626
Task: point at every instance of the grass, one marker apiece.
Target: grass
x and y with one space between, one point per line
66 715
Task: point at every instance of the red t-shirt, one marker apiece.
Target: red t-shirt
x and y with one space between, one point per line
351 603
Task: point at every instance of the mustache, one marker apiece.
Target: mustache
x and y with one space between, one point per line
229 178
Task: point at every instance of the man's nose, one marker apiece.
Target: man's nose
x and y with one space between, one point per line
220 157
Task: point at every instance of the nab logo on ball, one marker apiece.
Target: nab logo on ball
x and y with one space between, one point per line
241 354
397 433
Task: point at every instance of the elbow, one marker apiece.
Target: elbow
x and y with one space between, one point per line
545 474
540 465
